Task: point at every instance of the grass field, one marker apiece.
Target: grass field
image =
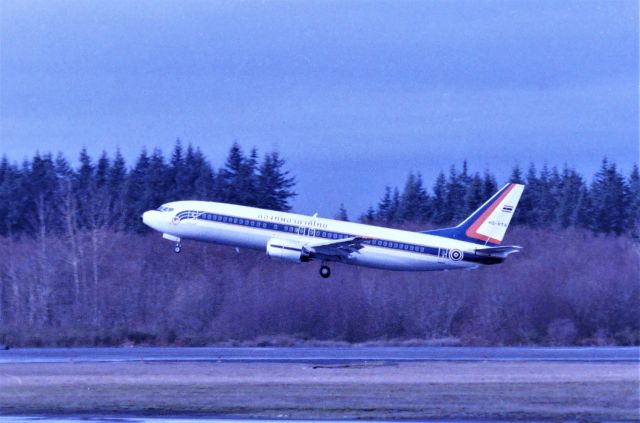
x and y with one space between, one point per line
428 390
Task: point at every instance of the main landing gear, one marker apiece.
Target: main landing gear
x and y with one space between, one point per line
325 271
177 248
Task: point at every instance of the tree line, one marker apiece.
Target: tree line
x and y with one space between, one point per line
48 195
553 199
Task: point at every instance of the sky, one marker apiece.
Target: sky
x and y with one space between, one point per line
353 94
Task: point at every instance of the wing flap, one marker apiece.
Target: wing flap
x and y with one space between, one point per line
338 248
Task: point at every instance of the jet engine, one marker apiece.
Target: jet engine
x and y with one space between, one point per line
282 249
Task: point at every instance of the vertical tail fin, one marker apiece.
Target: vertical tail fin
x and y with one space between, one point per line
489 223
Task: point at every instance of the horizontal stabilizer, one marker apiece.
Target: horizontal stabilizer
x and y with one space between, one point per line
502 251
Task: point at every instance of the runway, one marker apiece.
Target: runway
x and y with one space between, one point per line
110 419
577 390
321 355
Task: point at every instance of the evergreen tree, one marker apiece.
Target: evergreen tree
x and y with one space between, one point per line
63 168
633 203
547 196
102 170
178 174
456 191
608 200
157 184
85 174
524 206
516 175
369 216
384 211
489 186
11 202
238 179
136 193
274 184
389 206
571 199
84 188
200 175
440 213
117 186
584 215
414 201
395 206
530 202
465 178
40 187
475 195
342 214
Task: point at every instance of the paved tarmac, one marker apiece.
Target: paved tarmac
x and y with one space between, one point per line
326 355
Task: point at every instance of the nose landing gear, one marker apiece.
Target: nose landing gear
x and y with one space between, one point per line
325 271
177 248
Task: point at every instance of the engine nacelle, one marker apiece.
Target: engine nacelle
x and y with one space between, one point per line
282 249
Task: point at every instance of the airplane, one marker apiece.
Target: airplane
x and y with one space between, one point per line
300 238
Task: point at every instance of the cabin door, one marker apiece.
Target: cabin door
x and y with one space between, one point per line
443 255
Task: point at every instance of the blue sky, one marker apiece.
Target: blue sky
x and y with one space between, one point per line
354 94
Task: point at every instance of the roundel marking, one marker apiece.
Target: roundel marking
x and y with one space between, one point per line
175 220
455 254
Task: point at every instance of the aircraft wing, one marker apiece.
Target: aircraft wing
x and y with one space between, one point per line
336 248
501 251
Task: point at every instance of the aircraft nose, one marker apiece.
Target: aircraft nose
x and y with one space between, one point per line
145 217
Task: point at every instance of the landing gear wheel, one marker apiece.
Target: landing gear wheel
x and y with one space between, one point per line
325 271
177 248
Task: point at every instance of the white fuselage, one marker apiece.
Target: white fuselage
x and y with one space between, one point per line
254 228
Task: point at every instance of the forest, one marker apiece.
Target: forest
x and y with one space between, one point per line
77 266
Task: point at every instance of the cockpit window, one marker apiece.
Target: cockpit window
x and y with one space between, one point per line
164 209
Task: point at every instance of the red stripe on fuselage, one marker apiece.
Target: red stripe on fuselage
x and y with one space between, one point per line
472 231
